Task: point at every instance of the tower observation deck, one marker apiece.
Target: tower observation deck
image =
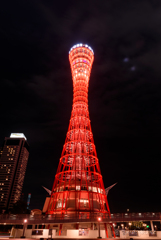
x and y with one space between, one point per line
78 186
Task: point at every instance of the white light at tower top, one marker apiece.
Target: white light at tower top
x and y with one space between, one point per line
81 45
18 135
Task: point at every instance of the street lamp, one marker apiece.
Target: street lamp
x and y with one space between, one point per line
144 225
99 219
24 226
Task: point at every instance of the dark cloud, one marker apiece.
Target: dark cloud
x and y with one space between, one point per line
124 97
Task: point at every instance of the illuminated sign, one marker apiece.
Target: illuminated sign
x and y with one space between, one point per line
18 135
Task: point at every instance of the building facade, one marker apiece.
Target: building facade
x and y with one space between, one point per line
13 163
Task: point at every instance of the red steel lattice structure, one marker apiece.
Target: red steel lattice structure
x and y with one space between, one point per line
78 186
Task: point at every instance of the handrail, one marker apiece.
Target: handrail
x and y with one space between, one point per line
84 217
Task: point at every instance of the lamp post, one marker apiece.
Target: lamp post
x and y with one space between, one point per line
130 224
122 225
144 225
24 226
99 219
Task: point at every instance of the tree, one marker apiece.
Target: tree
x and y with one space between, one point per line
136 225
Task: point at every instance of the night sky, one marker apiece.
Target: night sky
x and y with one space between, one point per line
124 91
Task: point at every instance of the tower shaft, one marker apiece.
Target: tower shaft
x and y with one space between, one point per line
78 186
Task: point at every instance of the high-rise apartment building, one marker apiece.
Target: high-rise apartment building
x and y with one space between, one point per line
13 162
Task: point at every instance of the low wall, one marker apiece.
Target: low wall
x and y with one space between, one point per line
17 233
91 234
74 234
141 235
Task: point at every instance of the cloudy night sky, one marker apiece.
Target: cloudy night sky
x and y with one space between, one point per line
124 91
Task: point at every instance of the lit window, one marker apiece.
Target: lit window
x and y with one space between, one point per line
99 190
94 189
59 204
77 188
84 202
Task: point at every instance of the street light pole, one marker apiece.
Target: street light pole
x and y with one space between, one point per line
24 226
99 235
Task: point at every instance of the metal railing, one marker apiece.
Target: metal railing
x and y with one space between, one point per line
138 216
81 217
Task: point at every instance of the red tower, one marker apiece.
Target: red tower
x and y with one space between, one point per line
78 186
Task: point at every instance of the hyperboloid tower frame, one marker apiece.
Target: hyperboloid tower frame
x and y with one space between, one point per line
78 188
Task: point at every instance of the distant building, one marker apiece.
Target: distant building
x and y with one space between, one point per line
13 162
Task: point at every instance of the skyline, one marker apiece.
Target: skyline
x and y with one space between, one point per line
124 92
